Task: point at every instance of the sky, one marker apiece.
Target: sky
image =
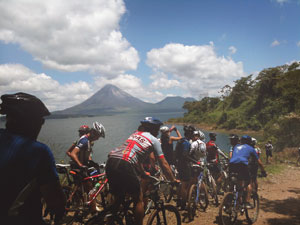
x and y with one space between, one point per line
65 51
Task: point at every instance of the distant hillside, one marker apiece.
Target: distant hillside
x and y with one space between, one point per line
111 99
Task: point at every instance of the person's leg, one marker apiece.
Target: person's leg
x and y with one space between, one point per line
139 208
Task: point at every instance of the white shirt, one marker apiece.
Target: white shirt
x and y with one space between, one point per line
198 150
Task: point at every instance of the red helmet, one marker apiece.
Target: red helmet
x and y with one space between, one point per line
84 129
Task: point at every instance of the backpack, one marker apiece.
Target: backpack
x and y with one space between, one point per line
179 149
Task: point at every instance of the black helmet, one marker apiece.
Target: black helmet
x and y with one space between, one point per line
212 135
189 128
233 136
23 105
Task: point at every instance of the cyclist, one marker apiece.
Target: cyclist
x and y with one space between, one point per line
124 165
239 164
234 140
183 164
83 130
253 166
167 142
213 153
81 154
27 167
198 150
269 149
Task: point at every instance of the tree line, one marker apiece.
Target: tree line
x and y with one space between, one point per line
270 102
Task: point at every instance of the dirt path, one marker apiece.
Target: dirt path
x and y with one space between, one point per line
279 201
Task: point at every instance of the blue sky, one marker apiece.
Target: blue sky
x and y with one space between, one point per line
65 51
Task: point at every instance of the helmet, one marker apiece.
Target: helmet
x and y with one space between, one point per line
189 128
200 134
84 129
246 139
99 128
164 129
23 105
212 135
254 141
233 136
151 121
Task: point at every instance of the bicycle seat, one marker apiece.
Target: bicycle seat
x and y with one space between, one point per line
62 168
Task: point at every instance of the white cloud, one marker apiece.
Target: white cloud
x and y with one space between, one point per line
282 1
197 68
275 43
232 50
298 43
70 35
161 81
18 78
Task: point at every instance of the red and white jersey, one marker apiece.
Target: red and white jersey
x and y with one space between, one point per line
137 148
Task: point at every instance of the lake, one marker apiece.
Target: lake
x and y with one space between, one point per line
59 134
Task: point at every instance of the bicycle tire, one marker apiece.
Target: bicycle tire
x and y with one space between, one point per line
192 204
203 196
156 216
104 218
227 213
213 190
252 214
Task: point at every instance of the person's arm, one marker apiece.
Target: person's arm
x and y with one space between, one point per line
173 138
68 152
54 198
74 156
222 153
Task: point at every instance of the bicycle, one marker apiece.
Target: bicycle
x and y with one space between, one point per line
197 193
211 184
233 204
161 212
225 170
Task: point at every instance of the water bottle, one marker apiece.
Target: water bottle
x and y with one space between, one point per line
94 190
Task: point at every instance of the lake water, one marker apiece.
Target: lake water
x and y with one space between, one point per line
59 134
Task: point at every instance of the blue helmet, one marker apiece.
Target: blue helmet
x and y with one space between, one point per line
246 139
151 121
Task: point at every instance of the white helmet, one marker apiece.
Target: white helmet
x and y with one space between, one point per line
164 129
99 128
200 134
254 141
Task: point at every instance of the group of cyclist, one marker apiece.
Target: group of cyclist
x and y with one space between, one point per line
125 168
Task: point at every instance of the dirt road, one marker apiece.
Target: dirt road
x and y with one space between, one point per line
279 201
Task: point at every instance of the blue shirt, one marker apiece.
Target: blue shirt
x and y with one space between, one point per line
242 153
21 160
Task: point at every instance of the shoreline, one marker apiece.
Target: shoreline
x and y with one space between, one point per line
208 127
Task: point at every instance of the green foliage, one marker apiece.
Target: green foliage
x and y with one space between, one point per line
254 104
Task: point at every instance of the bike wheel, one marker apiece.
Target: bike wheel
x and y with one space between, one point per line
252 214
227 211
212 189
165 216
104 218
203 196
192 202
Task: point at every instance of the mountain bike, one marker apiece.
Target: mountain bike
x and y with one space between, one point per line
198 193
161 213
233 204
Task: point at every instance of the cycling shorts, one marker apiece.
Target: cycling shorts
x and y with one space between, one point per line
184 171
253 171
269 153
215 169
241 170
122 177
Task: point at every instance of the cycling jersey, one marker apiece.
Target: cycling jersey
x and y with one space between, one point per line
198 150
242 153
21 160
84 149
212 151
137 148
